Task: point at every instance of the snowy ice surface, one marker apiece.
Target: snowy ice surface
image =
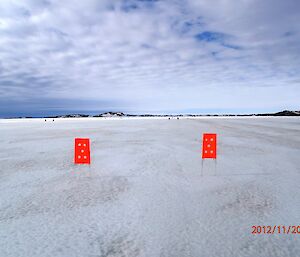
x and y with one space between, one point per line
143 194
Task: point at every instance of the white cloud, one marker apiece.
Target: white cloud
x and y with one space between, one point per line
145 53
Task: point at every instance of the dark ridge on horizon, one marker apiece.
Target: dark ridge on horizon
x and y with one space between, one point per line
121 114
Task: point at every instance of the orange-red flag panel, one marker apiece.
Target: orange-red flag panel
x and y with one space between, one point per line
209 146
82 151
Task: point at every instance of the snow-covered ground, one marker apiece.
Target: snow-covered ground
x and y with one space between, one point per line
143 194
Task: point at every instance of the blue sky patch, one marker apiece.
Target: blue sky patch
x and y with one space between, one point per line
217 37
209 36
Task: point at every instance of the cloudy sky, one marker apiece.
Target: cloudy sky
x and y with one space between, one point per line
154 56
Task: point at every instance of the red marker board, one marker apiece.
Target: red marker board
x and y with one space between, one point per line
82 151
209 146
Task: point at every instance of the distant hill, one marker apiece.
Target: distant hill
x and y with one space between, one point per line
121 114
110 114
283 113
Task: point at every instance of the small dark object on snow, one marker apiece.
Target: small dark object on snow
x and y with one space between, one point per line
177 118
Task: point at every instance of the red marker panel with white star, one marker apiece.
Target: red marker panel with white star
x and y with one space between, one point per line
82 151
209 146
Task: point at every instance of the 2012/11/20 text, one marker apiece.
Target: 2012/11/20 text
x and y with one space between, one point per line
275 229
